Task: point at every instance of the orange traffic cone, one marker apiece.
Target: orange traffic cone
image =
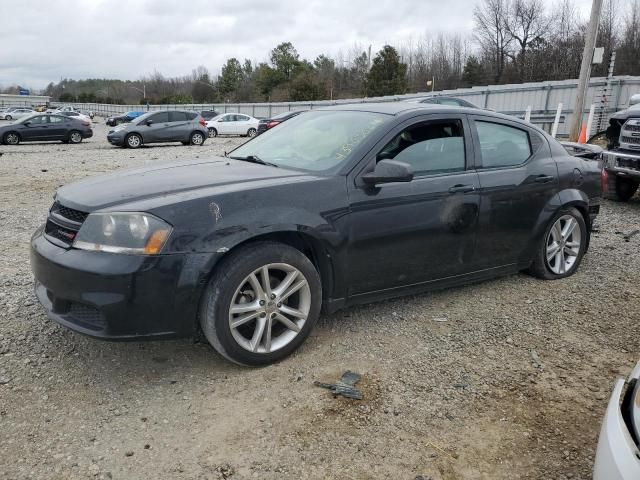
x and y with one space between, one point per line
583 134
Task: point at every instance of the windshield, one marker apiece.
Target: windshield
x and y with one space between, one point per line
314 141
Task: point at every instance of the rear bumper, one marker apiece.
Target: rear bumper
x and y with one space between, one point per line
625 163
119 297
87 134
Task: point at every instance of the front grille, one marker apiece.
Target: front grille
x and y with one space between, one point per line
87 315
629 163
631 128
69 213
63 234
633 140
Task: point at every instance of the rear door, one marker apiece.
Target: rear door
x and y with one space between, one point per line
518 178
59 127
179 129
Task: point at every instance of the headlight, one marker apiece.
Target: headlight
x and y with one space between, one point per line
138 233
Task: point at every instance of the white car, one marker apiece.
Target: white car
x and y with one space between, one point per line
15 112
78 115
233 124
618 453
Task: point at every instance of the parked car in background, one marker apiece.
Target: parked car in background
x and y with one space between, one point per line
208 114
233 124
13 113
40 108
342 205
88 113
618 452
125 118
78 115
268 123
156 127
45 127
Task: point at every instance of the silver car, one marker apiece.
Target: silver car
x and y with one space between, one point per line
163 126
15 112
618 453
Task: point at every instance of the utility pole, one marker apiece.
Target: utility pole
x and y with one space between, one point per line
585 69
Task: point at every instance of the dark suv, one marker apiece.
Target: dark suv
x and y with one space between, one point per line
164 126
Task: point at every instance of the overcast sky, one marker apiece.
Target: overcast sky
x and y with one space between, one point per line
45 40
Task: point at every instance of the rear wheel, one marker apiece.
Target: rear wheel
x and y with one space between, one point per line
133 140
11 138
197 138
251 132
75 137
213 133
620 189
261 303
563 246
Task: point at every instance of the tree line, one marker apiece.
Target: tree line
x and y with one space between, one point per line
513 41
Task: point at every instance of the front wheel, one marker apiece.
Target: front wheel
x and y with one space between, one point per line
213 133
251 132
197 138
563 246
8 117
12 138
261 303
133 140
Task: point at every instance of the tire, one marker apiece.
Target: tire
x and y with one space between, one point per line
133 140
230 284
561 264
8 117
197 138
75 136
251 132
11 138
213 133
620 189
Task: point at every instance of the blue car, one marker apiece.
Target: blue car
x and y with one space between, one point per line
124 118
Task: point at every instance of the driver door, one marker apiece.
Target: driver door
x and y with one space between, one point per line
404 234
36 130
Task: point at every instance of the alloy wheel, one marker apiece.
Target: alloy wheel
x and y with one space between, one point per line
133 141
251 132
197 139
76 137
563 244
269 308
12 139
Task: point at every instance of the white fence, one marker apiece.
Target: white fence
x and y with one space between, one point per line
543 99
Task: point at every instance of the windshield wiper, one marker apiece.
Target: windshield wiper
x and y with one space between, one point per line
255 159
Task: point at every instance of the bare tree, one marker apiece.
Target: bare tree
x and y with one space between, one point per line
492 34
526 22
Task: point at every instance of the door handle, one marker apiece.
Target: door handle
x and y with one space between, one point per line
543 179
462 189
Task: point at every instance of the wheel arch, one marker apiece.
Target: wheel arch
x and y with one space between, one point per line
4 135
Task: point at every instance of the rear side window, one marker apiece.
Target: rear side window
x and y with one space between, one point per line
57 119
502 145
177 117
191 115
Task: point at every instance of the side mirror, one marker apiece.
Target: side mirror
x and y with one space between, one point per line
149 122
388 171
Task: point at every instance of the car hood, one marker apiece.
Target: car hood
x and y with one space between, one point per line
166 180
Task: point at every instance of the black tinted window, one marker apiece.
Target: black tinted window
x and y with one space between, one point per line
160 117
434 147
502 145
177 117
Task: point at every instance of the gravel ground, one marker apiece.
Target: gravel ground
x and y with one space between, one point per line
512 385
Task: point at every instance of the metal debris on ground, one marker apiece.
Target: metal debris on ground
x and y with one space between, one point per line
344 386
628 236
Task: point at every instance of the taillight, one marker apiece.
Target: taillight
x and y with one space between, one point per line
86 124
604 181
272 123
202 122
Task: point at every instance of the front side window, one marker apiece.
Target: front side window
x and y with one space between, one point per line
430 148
502 145
39 120
316 141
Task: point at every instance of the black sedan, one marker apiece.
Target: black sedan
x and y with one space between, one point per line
45 127
124 118
268 123
339 206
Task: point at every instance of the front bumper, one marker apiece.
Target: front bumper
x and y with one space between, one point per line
622 162
617 456
117 296
116 139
